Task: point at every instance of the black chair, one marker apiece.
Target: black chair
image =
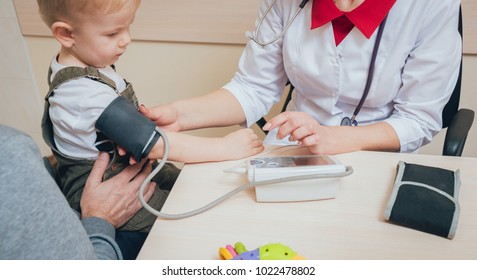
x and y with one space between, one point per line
457 121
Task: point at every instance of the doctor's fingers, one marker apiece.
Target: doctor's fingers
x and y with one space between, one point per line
306 135
302 122
150 113
322 142
165 116
278 120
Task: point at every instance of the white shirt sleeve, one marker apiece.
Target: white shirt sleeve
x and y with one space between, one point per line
428 75
261 77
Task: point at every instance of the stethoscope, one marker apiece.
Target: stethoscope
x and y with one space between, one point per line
346 121
254 36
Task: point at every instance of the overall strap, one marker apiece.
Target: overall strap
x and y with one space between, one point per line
64 75
129 94
73 72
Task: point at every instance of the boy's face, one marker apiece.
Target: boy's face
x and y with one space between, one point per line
99 41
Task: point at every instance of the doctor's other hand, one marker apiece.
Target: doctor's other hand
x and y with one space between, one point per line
115 200
301 127
165 116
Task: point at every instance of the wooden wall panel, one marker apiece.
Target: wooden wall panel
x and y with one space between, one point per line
469 12
201 21
205 21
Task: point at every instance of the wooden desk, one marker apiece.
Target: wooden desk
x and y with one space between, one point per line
350 226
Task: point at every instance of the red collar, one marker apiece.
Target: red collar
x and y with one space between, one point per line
366 17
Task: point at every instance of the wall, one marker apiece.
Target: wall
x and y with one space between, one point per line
20 104
205 21
172 70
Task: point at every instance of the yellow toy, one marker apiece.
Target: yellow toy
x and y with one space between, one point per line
274 251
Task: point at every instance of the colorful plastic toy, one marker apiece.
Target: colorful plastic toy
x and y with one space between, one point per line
274 251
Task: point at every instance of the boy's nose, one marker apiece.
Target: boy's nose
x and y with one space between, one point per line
125 40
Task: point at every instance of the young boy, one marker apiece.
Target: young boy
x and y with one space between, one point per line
93 34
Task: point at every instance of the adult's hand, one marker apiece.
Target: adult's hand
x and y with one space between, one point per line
216 109
301 127
319 139
115 200
165 116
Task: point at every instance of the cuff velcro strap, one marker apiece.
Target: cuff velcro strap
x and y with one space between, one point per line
425 198
126 126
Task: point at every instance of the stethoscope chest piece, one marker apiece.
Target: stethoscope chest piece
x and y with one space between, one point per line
348 122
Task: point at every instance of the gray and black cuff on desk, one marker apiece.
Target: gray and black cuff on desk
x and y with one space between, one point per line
425 198
126 126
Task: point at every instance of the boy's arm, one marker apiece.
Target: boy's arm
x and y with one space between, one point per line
189 149
122 123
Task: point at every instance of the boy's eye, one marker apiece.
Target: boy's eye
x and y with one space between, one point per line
112 34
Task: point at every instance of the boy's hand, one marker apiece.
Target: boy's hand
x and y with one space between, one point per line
242 143
122 152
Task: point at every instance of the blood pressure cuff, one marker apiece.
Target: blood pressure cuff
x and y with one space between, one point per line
126 126
425 198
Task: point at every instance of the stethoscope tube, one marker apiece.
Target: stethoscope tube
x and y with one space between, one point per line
254 37
352 122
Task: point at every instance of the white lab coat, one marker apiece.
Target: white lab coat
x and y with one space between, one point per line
416 69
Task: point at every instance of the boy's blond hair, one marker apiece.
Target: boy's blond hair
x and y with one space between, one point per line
52 11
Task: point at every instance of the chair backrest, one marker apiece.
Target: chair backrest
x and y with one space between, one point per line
452 105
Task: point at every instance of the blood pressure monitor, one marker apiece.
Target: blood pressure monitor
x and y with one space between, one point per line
266 168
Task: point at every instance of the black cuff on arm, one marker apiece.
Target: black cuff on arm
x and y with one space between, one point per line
125 125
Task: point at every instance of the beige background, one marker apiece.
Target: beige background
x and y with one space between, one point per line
181 49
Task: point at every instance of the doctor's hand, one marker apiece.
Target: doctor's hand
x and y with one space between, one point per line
115 200
301 127
165 116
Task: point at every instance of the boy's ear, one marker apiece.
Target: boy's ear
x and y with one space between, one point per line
62 31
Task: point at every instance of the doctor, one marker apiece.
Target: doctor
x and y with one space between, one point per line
326 51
